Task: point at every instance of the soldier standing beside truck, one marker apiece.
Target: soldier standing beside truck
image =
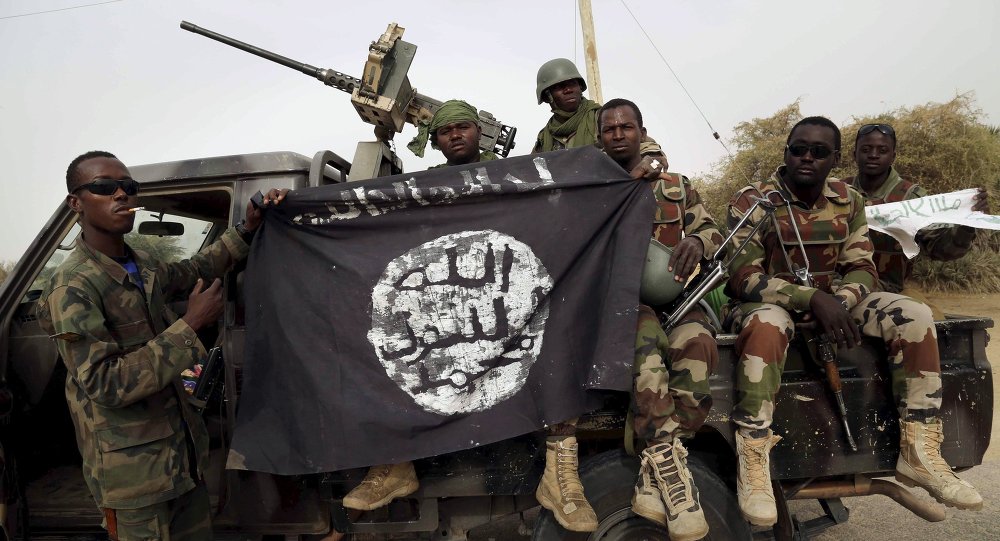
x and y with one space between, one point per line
879 183
671 396
144 448
817 264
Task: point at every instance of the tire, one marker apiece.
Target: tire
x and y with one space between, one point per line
609 481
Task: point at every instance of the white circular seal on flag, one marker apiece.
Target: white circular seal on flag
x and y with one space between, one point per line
458 321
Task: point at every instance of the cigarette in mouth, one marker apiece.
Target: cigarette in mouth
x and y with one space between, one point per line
136 209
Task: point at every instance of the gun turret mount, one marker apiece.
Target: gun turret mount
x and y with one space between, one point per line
383 96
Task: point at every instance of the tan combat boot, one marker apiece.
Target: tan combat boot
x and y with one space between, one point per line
560 489
647 501
753 481
381 485
685 519
920 463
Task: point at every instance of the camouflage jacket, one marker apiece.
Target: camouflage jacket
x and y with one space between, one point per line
680 213
124 351
941 244
835 236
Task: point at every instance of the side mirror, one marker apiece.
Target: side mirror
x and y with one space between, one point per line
161 229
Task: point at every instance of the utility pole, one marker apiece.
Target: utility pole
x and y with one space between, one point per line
590 52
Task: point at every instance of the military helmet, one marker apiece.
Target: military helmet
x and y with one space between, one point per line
554 72
658 286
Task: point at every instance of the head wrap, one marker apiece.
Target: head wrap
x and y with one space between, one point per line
450 111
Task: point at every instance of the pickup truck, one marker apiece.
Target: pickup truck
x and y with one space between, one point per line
42 493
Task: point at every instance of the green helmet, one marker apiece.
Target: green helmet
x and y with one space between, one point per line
554 72
658 286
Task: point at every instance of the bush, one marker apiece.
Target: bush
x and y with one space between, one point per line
5 268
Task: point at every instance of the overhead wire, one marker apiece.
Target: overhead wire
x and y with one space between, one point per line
677 78
59 9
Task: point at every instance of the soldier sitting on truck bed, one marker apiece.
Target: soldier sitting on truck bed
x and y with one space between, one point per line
671 396
878 182
455 131
574 118
145 450
819 267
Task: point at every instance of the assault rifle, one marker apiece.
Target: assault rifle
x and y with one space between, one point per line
208 379
383 97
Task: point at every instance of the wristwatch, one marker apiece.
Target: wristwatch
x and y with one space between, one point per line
245 233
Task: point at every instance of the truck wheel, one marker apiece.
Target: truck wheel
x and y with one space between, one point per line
609 481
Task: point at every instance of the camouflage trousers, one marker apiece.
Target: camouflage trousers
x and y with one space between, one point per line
187 517
670 395
904 325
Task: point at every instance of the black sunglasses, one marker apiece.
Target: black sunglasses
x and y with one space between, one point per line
818 151
868 128
107 186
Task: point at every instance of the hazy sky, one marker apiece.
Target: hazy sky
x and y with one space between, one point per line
123 77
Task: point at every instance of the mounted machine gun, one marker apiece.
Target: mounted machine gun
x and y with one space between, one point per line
383 97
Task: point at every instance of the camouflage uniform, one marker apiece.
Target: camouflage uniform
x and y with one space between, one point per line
124 351
940 244
835 235
670 375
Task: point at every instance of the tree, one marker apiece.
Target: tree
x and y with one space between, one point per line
161 249
941 146
5 268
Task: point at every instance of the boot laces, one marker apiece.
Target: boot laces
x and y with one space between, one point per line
376 477
933 437
570 486
756 464
674 483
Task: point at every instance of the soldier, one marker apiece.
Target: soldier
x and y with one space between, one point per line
144 448
878 182
455 131
835 250
574 118
671 397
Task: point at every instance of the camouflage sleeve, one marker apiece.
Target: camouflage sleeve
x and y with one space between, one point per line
699 223
210 263
749 280
109 375
854 262
538 142
943 243
649 147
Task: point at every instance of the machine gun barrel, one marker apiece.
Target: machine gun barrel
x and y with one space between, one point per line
329 77
385 98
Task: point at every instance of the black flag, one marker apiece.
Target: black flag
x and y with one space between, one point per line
409 316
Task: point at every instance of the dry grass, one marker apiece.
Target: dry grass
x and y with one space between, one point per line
974 273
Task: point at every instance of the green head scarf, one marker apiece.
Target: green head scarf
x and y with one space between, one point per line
450 111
